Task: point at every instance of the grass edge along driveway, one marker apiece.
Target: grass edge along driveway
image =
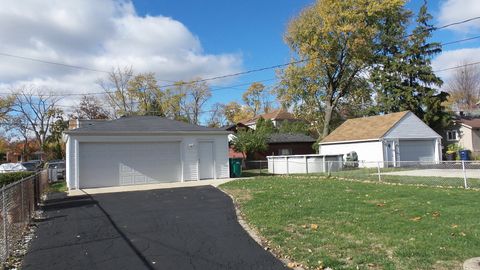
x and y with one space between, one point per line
344 225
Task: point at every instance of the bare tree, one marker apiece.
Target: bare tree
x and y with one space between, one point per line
90 107
217 116
464 88
199 94
19 127
37 109
115 87
5 107
192 97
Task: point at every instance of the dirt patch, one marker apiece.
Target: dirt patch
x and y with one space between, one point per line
447 265
241 195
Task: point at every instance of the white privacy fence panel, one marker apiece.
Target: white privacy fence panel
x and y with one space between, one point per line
303 164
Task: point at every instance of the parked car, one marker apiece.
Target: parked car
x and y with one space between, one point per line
56 169
32 166
12 167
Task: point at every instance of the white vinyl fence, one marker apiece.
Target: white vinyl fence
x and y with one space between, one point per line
303 164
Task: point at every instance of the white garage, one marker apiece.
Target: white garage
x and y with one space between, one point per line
390 139
143 150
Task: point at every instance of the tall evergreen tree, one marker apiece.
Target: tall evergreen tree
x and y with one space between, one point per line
403 75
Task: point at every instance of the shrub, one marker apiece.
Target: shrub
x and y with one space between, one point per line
453 148
7 178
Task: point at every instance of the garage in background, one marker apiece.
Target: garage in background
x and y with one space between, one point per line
389 139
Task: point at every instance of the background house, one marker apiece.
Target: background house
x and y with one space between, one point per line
142 150
277 117
280 144
466 133
390 138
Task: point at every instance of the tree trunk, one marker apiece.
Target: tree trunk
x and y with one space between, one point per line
327 118
24 151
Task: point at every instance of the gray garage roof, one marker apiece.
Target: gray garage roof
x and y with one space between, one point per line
290 138
143 124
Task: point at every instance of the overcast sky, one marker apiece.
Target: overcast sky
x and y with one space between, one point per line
178 40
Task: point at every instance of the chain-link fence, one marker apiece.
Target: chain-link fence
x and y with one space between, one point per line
255 167
464 174
19 201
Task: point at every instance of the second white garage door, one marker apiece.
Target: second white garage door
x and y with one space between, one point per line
417 150
114 164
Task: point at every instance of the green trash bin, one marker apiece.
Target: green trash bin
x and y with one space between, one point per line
235 167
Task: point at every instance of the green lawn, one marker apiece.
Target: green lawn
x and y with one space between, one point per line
364 225
60 186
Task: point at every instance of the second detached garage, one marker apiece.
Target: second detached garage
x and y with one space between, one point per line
390 139
144 149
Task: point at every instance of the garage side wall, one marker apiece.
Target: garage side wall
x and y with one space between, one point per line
191 156
70 162
368 152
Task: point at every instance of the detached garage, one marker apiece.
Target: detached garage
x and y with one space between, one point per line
391 139
143 150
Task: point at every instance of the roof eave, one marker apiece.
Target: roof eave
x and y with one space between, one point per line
351 141
73 132
467 126
291 142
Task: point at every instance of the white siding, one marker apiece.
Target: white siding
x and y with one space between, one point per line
70 163
411 127
368 152
465 135
476 140
222 167
188 152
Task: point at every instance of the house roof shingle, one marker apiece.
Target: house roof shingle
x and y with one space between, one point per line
275 115
365 128
290 138
142 124
473 123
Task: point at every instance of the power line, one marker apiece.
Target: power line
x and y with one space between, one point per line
455 23
228 75
228 87
240 73
61 64
216 77
52 63
111 92
461 40
455 67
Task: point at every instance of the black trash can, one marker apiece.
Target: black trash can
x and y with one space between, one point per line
464 154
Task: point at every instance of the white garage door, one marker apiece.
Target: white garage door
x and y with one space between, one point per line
114 164
418 150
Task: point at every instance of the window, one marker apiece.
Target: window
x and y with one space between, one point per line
285 151
452 135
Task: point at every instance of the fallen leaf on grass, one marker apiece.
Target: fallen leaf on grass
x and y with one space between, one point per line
462 234
314 226
454 226
416 218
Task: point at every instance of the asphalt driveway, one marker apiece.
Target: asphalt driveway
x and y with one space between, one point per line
181 228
